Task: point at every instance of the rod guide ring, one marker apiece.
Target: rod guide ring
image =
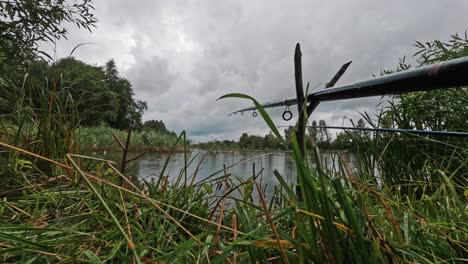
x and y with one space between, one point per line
287 114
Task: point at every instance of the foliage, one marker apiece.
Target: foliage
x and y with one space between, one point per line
316 134
246 142
156 125
96 102
130 111
434 110
443 110
312 131
100 138
39 119
345 139
100 95
24 24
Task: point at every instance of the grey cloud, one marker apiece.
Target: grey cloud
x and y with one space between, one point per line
182 55
151 76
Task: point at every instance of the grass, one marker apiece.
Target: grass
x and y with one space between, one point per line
84 210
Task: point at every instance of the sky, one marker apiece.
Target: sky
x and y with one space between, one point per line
181 56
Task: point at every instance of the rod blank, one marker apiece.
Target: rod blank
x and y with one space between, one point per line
443 75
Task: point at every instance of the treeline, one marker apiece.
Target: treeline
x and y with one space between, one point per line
99 93
316 133
157 126
64 89
245 142
56 106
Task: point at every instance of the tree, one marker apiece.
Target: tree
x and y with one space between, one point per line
343 140
244 141
129 112
312 134
96 103
256 142
25 23
288 134
270 141
322 133
99 94
156 125
362 134
313 130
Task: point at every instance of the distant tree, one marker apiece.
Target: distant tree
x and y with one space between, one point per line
288 133
130 111
386 121
228 144
135 113
362 134
343 140
312 134
256 142
157 125
312 130
361 123
323 136
244 141
270 141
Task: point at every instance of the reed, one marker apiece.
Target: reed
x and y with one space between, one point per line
100 138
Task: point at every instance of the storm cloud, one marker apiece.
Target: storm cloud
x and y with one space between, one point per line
182 55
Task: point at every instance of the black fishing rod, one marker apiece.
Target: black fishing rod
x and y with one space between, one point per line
396 130
443 75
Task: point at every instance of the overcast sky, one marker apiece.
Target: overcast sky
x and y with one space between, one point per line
182 55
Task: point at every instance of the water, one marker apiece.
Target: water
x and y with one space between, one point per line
238 164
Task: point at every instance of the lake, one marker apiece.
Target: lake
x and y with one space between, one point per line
241 164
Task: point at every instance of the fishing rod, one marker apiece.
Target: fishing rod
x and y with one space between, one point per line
443 75
396 130
288 102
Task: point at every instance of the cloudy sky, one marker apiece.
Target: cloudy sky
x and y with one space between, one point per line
182 55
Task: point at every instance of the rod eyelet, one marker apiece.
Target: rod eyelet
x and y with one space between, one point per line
287 114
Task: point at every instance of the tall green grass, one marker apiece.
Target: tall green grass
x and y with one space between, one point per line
43 120
100 138
341 216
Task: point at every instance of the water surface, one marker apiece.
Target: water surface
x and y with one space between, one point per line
238 164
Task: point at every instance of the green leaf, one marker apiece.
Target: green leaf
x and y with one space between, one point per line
207 188
92 257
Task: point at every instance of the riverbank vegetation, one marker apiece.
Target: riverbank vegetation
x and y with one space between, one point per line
102 138
316 134
406 203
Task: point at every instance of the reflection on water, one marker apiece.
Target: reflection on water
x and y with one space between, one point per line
238 164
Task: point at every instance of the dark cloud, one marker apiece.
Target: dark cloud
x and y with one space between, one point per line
182 55
152 76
